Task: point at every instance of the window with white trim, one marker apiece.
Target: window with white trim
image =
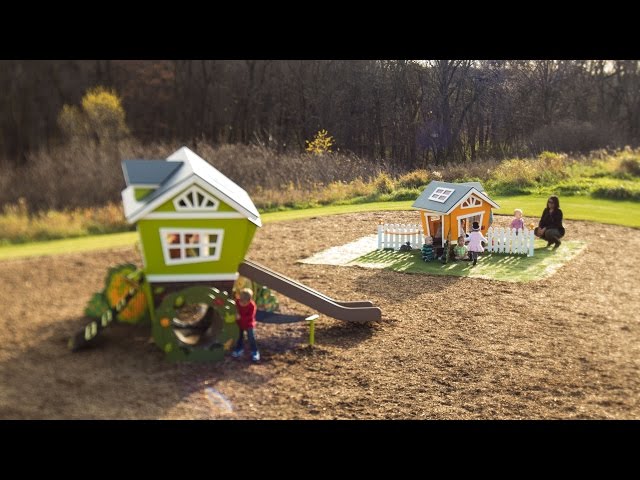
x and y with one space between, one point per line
195 199
441 194
181 246
470 202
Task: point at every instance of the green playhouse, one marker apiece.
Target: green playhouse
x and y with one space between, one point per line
195 226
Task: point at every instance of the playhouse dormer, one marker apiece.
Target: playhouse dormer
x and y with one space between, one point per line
195 224
447 210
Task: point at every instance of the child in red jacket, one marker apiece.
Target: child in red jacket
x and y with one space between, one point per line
246 319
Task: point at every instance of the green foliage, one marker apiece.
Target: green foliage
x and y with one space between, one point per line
415 179
101 116
18 226
630 165
401 194
321 143
552 167
619 192
516 173
383 183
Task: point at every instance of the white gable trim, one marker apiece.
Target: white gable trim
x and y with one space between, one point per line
184 184
473 202
473 191
187 198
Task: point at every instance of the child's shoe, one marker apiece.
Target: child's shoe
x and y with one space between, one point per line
236 353
255 356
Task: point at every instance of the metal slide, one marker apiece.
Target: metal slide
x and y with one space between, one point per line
348 311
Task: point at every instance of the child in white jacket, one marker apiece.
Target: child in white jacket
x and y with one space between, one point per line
475 242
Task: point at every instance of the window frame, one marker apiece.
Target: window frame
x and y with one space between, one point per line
183 246
444 192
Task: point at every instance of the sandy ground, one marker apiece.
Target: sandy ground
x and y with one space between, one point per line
447 348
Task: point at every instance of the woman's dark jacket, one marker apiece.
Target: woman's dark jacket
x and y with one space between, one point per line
552 220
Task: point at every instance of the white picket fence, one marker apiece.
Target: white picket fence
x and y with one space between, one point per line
392 235
510 241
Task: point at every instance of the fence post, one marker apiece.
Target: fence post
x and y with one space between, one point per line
531 240
380 228
490 238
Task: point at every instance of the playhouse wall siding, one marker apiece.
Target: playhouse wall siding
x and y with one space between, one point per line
238 234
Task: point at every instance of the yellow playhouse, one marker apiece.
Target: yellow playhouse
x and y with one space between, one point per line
447 210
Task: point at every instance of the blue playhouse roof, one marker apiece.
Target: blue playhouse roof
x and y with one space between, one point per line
148 172
178 171
460 190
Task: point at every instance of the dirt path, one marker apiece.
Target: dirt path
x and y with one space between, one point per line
448 347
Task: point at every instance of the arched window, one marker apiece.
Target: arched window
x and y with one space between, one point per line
195 199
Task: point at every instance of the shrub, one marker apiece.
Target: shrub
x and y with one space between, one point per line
551 167
383 183
403 194
516 172
415 179
630 165
619 192
102 116
321 143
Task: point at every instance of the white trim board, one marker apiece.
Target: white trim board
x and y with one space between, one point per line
192 277
192 215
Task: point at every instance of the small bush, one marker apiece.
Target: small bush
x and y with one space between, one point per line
320 144
630 166
617 193
415 179
516 172
552 167
403 194
383 183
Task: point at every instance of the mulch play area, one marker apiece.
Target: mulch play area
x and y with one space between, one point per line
562 341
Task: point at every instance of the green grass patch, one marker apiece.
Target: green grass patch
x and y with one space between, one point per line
614 212
69 245
491 266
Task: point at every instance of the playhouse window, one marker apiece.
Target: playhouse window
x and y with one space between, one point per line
191 246
441 194
195 199
472 201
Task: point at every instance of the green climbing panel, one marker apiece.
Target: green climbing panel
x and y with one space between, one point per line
195 324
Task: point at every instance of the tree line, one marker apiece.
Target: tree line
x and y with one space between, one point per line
405 113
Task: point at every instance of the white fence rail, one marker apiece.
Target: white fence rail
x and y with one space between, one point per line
510 241
395 235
